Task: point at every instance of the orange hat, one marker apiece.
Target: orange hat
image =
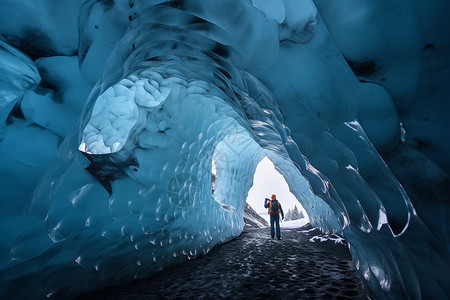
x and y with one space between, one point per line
274 196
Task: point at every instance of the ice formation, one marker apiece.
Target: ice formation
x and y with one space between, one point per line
110 128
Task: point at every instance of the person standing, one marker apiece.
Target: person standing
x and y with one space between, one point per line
275 210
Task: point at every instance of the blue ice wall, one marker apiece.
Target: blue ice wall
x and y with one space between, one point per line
112 123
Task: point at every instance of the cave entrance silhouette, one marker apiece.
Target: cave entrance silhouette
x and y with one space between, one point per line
267 181
231 168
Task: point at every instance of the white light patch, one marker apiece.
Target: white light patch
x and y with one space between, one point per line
113 117
382 278
382 218
120 109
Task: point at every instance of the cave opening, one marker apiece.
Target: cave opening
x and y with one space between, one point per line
267 181
232 164
243 174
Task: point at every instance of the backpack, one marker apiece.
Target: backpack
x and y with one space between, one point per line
274 208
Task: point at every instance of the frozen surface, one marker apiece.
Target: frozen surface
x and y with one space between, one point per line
18 75
112 124
295 223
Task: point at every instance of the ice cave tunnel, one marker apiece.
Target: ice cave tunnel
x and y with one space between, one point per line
113 111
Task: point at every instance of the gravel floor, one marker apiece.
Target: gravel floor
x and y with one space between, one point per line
254 266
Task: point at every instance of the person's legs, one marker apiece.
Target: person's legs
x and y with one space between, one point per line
277 223
272 230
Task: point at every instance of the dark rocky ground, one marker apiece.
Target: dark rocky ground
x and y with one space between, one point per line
254 266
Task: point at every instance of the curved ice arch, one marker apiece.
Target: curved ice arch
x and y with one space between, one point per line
132 211
159 212
152 195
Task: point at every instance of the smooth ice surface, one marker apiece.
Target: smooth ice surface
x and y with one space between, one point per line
112 124
272 9
18 74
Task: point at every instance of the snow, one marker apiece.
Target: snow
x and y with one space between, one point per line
319 238
114 114
294 223
323 238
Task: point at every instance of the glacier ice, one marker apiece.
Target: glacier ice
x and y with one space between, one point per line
111 127
20 74
41 28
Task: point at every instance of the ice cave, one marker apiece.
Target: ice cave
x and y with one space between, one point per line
113 112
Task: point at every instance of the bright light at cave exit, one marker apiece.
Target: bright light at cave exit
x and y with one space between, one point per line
268 181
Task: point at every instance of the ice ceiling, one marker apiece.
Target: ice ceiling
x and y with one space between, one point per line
112 113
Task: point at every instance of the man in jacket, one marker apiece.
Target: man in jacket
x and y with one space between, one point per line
274 211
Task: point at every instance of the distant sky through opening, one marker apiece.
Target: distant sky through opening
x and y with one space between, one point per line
267 181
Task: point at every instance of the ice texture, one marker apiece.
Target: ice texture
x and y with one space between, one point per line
114 127
18 75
